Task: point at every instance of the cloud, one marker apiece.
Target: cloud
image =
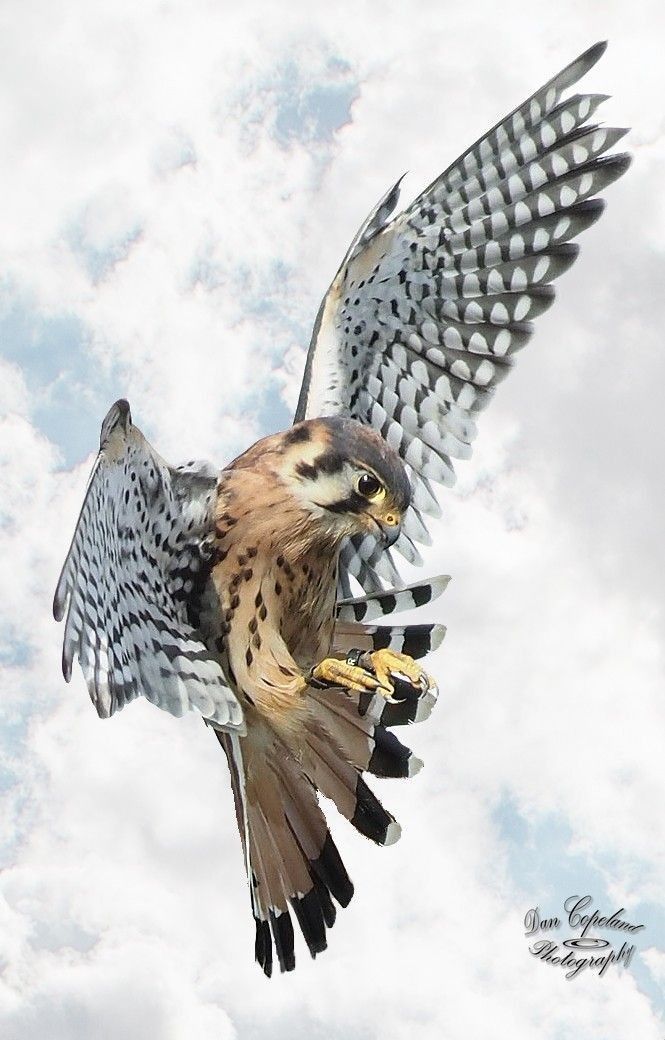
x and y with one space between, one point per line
179 187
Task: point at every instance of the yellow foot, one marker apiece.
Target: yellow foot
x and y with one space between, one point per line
351 676
387 663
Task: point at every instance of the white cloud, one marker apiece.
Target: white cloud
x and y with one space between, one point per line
655 959
182 183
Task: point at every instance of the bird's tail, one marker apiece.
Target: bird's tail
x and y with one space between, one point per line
291 859
290 856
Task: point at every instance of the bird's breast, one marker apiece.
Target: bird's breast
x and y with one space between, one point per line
265 599
308 613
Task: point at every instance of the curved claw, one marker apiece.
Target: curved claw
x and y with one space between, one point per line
388 663
351 677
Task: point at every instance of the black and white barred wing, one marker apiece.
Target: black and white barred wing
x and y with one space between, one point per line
140 541
426 311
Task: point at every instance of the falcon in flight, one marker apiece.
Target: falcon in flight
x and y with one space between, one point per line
231 592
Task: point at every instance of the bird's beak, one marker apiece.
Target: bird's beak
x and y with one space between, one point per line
390 532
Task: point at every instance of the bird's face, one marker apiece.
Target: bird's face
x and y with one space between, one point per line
347 477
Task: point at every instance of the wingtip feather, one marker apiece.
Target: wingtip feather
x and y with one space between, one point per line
583 63
393 833
437 636
58 606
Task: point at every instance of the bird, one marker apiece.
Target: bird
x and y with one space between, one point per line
255 594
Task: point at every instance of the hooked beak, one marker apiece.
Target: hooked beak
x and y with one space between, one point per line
389 532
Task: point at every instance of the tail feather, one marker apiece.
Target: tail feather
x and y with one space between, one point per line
338 779
292 861
269 869
390 758
281 927
367 745
277 770
263 945
310 915
408 706
308 825
331 873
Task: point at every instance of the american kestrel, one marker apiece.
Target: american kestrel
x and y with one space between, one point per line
230 592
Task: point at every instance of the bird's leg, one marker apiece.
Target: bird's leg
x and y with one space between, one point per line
372 670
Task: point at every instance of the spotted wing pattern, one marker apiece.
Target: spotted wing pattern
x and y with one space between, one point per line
141 541
423 316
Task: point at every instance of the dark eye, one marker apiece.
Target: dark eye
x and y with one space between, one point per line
368 485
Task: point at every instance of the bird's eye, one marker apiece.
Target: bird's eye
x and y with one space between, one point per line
368 485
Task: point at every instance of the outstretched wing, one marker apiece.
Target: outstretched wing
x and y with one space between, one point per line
423 316
140 543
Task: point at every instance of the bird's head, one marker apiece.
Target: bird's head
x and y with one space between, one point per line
346 475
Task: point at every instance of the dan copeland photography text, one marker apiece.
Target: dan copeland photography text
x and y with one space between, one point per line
583 950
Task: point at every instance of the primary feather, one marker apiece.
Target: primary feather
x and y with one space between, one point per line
423 317
139 544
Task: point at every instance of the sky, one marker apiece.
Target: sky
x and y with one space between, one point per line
179 185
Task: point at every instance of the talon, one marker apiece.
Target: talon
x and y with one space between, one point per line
373 671
350 677
386 663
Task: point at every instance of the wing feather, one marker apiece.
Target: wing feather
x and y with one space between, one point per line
139 542
427 310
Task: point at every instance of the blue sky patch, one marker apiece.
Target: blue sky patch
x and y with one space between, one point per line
542 864
54 355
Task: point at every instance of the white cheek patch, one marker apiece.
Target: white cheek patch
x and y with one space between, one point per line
316 492
332 487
